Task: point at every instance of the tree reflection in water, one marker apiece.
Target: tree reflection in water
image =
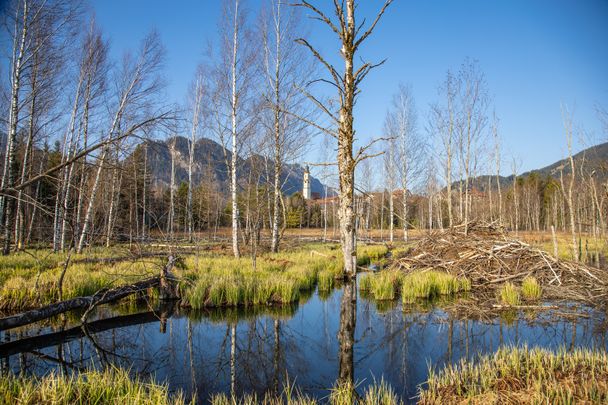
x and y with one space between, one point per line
340 338
346 333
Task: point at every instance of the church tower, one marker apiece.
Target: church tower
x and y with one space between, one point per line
306 189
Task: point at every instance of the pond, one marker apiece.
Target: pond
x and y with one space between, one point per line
325 338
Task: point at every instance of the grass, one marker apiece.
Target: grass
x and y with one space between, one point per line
509 295
544 241
215 281
384 285
523 376
531 289
29 280
90 387
278 278
431 284
342 394
32 287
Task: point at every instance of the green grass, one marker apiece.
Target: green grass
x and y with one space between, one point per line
431 284
530 289
522 375
28 289
367 254
385 284
207 279
214 281
509 295
91 387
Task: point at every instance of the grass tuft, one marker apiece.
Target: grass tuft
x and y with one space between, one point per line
509 295
431 284
530 289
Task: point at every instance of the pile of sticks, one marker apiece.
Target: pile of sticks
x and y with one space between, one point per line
488 257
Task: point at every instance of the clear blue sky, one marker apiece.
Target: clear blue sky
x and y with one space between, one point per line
536 54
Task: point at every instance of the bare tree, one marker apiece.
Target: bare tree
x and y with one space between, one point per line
443 124
286 69
409 147
196 116
232 121
390 168
35 25
473 104
347 83
497 161
137 85
567 191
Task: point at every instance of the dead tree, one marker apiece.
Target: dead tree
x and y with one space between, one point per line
347 83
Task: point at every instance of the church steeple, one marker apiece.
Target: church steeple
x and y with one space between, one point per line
306 188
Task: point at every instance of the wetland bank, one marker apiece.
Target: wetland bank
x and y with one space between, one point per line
386 333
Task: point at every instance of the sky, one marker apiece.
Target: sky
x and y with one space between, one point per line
537 55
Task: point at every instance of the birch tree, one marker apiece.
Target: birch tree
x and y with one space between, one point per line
232 117
473 103
35 25
196 116
137 84
286 68
443 123
409 147
567 191
347 82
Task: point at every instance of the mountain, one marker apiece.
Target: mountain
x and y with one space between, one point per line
209 161
594 158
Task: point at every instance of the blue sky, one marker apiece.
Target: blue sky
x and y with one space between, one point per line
536 54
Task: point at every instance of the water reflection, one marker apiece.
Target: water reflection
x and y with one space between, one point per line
338 337
346 334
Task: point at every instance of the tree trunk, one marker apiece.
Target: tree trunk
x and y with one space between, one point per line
233 182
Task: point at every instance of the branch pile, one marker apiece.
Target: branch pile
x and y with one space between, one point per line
487 256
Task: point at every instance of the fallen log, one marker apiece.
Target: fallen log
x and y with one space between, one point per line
103 296
40 342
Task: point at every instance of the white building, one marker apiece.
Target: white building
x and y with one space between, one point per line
306 189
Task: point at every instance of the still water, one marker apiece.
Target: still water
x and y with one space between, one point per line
312 345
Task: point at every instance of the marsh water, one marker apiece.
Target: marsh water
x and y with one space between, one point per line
325 338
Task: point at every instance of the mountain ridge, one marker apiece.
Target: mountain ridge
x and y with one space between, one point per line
209 160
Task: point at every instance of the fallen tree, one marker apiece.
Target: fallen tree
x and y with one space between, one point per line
488 257
104 296
33 343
